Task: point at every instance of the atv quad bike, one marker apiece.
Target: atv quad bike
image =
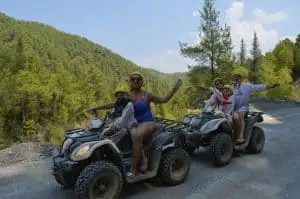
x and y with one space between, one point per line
213 131
96 164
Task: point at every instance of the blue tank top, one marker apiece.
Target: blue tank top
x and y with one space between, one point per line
142 111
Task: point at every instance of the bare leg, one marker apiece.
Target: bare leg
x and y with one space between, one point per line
241 118
135 151
143 130
144 162
236 123
151 130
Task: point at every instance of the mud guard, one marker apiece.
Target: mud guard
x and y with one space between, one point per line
93 146
215 124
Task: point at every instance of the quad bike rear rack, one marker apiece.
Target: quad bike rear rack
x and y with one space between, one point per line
253 113
171 124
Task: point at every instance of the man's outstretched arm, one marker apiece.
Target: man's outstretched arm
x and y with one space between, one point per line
261 87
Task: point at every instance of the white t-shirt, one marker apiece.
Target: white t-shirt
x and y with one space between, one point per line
242 94
127 119
213 98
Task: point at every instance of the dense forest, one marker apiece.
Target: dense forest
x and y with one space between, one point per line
48 78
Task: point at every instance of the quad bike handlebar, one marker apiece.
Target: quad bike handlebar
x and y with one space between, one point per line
93 111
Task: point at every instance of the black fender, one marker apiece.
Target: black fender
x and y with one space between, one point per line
160 143
250 129
217 124
94 146
163 139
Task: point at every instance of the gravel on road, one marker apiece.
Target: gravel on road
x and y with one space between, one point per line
25 152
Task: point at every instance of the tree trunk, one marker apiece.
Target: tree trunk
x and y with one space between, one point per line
23 110
212 68
254 71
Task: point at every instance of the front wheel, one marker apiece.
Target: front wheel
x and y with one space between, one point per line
99 180
63 179
257 140
190 150
174 166
221 149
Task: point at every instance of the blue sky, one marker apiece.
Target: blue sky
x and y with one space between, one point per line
147 31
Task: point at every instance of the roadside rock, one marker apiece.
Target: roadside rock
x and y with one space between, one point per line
24 152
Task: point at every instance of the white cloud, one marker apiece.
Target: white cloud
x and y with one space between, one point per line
264 18
261 23
235 12
196 13
169 62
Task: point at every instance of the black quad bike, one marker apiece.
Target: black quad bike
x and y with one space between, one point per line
95 164
213 131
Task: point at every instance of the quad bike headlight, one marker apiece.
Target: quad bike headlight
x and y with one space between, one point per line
82 151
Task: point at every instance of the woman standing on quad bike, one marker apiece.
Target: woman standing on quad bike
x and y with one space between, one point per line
241 95
146 126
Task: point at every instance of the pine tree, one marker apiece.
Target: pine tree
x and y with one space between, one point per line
256 53
242 54
208 50
226 47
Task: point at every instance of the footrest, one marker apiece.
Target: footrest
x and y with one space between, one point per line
141 176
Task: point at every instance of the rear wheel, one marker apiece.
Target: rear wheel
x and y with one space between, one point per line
221 149
257 140
174 166
99 180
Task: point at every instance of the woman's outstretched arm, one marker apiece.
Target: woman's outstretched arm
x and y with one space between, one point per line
159 100
105 106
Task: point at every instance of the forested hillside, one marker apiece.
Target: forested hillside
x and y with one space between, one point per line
48 79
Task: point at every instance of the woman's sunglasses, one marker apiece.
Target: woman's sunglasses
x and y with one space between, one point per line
135 79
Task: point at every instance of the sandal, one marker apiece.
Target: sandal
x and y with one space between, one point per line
130 174
240 140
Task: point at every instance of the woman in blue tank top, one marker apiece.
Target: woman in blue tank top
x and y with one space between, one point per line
143 114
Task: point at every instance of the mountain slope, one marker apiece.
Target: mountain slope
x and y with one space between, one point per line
48 79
